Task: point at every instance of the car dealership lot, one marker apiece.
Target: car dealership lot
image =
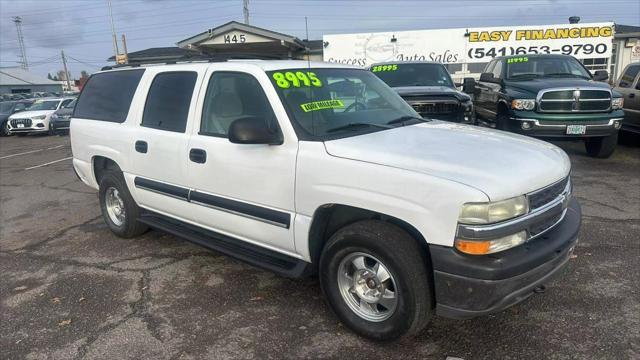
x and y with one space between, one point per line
69 288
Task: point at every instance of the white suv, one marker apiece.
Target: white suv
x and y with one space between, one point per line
36 118
317 168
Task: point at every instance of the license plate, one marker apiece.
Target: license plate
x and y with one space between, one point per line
576 129
20 125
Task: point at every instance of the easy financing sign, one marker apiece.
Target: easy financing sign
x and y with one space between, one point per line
588 40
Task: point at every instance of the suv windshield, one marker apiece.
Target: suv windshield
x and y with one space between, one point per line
408 74
329 103
44 105
6 107
523 67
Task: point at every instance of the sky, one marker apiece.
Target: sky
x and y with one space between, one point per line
82 28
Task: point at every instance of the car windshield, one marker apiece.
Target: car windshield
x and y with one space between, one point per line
45 105
6 107
329 103
408 74
524 67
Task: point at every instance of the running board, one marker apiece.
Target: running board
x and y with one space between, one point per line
255 255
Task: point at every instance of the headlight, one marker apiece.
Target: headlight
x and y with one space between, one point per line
484 247
493 212
468 106
617 103
39 117
523 104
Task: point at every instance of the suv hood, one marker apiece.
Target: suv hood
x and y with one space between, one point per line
431 91
535 85
30 114
500 164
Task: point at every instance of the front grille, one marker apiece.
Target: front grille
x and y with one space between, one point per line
574 100
544 196
25 122
544 225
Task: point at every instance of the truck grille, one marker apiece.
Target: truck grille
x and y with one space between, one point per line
544 196
25 122
574 100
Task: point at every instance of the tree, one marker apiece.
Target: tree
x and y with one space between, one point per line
61 75
84 74
49 76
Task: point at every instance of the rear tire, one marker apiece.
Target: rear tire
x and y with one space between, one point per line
402 301
601 147
119 210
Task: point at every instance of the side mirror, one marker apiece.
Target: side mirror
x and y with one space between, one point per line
486 77
601 75
252 130
469 85
457 84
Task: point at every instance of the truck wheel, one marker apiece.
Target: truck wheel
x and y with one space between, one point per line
502 122
601 147
3 130
119 210
376 280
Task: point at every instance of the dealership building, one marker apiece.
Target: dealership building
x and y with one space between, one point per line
465 51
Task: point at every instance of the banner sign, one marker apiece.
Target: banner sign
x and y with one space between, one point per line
473 45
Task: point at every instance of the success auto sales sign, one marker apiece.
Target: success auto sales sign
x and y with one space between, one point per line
593 40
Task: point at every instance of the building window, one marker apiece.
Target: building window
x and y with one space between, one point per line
453 68
476 67
594 64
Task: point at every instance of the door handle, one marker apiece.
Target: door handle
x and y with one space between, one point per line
141 146
198 156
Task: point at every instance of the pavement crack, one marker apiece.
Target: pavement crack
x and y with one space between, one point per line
58 234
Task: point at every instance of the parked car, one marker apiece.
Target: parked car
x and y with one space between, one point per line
629 86
36 119
59 121
401 217
428 88
549 96
8 108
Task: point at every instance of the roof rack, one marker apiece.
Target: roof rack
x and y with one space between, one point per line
197 59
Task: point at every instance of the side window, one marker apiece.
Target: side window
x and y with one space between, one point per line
231 96
629 75
107 96
489 67
497 70
168 101
65 103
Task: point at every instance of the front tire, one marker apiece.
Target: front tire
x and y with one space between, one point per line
119 210
376 279
601 147
502 121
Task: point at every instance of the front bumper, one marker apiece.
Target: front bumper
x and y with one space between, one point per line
467 286
555 125
29 130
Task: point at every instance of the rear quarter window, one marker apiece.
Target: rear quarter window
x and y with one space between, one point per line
107 96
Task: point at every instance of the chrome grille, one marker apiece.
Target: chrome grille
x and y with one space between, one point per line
574 100
25 122
544 196
431 108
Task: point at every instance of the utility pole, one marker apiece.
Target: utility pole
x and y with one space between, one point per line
113 33
66 72
245 10
23 51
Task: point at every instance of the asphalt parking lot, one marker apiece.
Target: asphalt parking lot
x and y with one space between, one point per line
70 289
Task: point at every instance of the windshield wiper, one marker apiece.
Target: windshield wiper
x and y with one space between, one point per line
403 119
567 74
356 126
